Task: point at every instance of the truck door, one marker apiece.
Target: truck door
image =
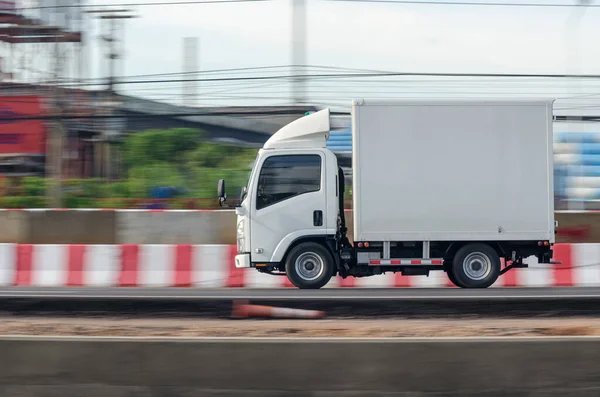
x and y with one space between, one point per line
290 201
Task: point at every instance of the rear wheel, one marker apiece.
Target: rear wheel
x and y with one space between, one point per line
309 266
476 266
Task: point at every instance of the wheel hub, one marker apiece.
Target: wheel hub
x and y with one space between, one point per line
309 266
477 266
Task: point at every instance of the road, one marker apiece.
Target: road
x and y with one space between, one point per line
337 303
339 294
73 367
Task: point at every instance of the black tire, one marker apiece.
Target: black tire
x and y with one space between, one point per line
298 266
476 266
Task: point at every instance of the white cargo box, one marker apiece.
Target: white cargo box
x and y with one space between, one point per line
452 170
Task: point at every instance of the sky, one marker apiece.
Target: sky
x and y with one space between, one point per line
369 36
375 36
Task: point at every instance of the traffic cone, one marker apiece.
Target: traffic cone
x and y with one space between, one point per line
241 309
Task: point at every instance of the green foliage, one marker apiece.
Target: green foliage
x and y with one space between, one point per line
34 186
113 203
143 178
171 158
164 146
218 155
22 202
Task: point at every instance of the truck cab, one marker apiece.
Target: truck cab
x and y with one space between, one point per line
291 200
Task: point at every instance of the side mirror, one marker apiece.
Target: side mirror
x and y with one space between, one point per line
221 191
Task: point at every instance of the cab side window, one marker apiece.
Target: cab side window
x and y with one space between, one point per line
286 176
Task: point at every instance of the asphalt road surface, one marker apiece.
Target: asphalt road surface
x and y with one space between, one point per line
340 303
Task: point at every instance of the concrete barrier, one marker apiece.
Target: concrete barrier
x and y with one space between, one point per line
14 227
72 227
185 227
176 227
581 227
299 367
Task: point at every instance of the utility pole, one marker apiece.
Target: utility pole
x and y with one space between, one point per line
115 19
298 50
190 65
55 144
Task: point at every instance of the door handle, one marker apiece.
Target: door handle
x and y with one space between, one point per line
318 218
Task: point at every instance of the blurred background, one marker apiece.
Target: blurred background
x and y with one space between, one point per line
146 104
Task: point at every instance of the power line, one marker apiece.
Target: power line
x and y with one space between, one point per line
363 75
329 85
413 2
301 111
257 68
342 76
471 3
101 80
145 4
351 72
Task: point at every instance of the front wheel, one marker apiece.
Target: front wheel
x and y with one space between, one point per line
309 266
476 266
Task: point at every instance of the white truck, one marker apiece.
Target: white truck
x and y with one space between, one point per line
453 186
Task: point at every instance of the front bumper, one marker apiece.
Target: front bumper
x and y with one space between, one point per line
242 261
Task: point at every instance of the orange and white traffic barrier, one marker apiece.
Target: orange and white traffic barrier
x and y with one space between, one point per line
242 309
212 266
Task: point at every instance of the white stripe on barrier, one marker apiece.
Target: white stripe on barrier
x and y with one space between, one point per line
586 269
8 262
50 265
155 265
379 281
536 275
334 283
101 266
210 266
256 279
436 279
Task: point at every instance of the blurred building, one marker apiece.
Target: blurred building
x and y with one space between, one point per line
102 120
30 39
